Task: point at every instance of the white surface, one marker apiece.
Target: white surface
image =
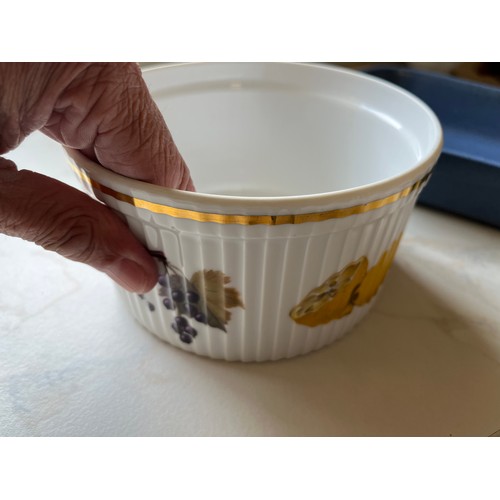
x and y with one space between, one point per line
297 129
301 128
425 361
273 269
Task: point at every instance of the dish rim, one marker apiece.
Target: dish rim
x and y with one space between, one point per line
372 191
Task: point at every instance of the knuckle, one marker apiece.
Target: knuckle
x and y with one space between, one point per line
13 203
35 209
75 239
71 234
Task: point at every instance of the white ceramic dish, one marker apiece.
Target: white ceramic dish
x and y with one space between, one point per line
306 177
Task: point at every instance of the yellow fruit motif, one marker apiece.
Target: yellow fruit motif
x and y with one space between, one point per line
375 276
332 299
354 285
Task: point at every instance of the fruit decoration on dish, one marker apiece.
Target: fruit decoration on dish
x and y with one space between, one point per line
204 298
354 285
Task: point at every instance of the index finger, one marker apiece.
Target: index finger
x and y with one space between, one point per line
108 113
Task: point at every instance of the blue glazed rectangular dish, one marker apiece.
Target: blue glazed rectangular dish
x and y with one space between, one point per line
466 179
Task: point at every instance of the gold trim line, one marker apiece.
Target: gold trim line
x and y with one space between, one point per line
249 220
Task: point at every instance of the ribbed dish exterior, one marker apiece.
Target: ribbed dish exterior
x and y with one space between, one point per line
271 267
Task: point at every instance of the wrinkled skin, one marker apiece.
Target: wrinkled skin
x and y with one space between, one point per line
105 111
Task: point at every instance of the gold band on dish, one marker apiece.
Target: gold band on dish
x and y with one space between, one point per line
249 220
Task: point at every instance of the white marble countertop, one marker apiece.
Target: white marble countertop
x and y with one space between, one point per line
425 361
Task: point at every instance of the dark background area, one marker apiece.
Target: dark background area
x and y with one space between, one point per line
483 72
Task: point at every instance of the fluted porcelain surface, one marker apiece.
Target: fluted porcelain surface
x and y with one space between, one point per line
273 268
264 278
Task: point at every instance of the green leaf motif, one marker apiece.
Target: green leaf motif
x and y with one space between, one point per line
216 296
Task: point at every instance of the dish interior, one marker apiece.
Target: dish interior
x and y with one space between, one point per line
287 130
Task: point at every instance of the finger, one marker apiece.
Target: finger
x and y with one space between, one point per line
62 219
108 113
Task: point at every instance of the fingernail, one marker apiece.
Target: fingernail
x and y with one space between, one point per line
130 275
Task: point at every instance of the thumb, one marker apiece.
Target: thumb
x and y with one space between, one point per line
62 219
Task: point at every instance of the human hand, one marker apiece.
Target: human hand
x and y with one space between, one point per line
105 111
